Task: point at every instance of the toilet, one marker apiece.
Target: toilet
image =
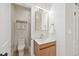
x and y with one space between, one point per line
21 46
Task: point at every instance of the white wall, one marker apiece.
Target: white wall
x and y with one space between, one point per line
5 29
59 18
69 28
32 29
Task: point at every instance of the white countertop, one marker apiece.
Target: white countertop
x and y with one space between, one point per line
43 41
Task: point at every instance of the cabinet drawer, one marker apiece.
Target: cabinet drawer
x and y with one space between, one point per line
47 45
44 52
51 51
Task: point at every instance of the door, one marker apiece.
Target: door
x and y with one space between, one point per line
76 31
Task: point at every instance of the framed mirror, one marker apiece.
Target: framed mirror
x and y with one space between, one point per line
41 21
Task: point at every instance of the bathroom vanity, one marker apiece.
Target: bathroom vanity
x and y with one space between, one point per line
43 44
45 48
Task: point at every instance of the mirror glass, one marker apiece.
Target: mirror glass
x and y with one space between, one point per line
41 21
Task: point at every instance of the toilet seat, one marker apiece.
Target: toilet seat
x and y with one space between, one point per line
21 47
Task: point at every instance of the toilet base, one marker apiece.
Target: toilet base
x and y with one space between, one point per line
21 52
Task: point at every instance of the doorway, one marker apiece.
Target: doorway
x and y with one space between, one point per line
76 31
23 16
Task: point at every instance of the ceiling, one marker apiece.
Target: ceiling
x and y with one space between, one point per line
42 5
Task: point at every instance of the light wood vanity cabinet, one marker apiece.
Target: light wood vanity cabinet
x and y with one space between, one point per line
46 49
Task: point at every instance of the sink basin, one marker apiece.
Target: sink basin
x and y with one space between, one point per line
43 41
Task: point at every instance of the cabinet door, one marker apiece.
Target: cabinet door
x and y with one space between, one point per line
44 52
52 50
